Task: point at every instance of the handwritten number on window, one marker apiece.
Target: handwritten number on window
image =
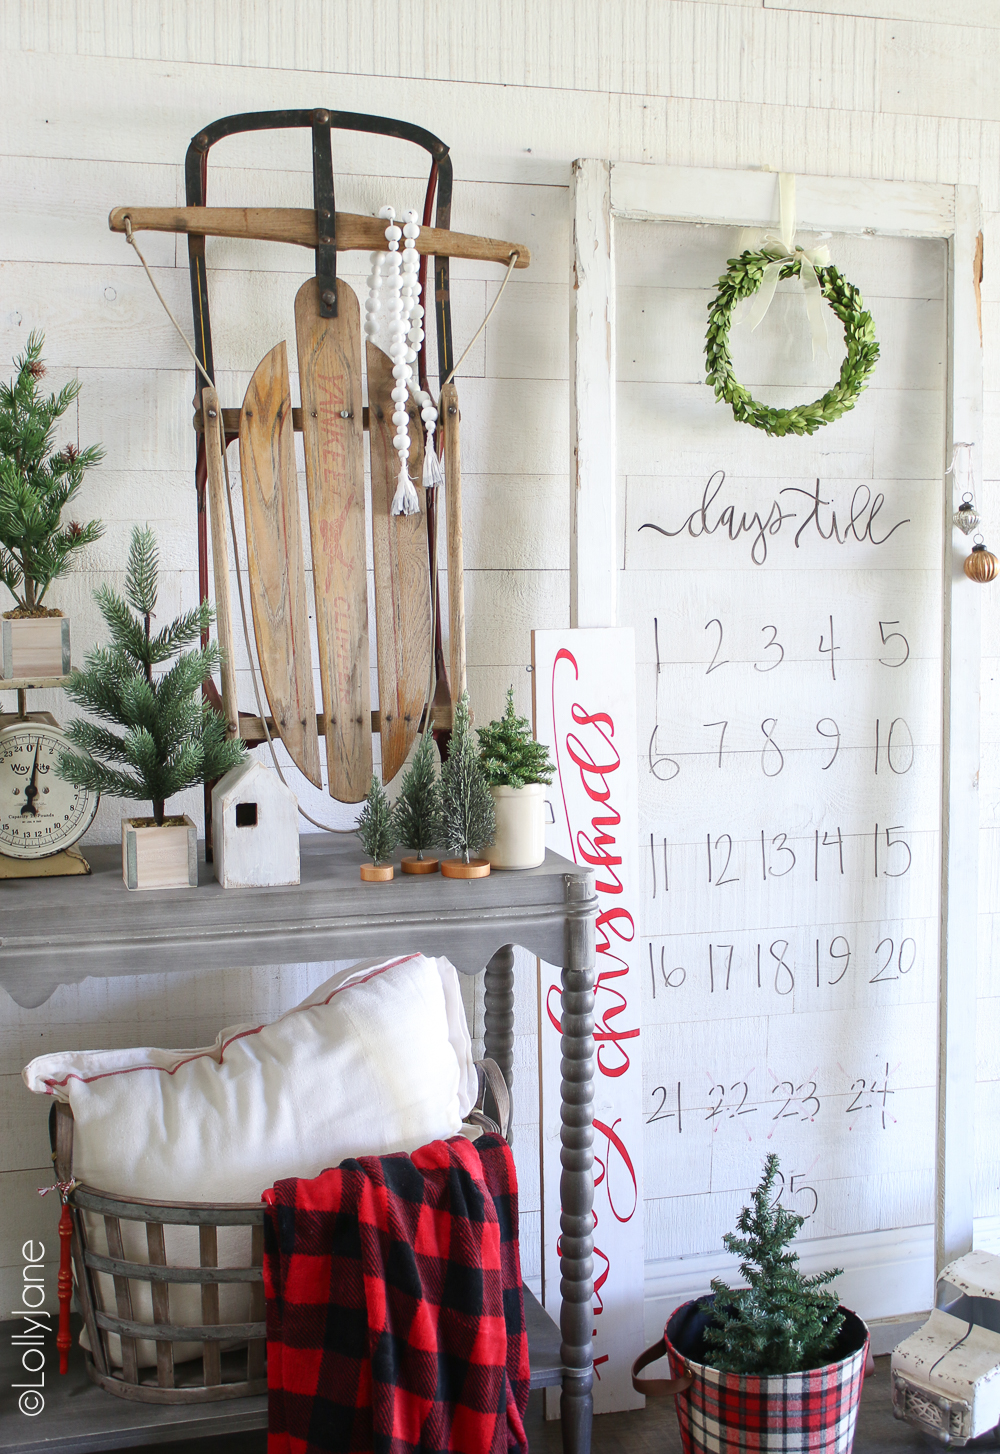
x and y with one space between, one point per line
775 644
714 664
893 636
663 768
823 727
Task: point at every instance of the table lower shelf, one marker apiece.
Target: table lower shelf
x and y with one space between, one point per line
80 1418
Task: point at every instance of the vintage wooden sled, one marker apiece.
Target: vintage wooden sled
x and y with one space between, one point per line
332 420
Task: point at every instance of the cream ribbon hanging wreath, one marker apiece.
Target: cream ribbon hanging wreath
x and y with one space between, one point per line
757 272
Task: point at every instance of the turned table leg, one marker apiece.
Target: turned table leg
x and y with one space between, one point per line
576 1187
498 1002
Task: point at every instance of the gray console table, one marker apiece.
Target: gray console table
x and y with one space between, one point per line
60 931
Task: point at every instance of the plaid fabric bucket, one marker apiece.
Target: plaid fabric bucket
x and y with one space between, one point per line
815 1412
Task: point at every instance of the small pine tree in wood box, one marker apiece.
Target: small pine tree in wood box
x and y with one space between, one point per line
37 483
172 738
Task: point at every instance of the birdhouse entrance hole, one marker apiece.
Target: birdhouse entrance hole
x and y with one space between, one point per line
246 815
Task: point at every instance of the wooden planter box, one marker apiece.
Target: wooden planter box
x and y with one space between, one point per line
159 858
36 646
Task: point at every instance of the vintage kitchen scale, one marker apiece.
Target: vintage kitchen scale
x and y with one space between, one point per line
41 816
331 418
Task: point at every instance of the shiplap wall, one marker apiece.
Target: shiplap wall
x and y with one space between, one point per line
98 103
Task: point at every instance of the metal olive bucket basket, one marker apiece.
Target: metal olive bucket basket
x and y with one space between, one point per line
814 1412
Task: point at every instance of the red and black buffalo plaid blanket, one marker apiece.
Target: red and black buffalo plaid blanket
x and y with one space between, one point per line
395 1314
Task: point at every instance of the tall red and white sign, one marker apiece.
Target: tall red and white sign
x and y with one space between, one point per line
584 703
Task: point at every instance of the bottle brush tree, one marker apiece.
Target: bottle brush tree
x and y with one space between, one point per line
37 483
510 755
418 808
782 1321
376 828
468 817
172 738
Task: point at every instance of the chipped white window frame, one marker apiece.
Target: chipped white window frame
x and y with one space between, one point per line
603 191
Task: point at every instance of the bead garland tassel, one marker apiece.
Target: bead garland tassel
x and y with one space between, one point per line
397 274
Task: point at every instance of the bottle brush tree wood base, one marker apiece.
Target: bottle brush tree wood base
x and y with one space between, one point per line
420 865
458 868
376 873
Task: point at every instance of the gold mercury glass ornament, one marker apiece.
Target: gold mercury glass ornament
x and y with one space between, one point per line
981 566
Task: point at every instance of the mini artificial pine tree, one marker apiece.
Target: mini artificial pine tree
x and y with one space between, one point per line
173 738
36 484
418 808
468 817
783 1322
510 755
375 824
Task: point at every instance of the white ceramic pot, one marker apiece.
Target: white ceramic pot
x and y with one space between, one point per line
520 840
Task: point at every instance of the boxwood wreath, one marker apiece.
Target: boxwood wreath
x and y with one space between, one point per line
742 279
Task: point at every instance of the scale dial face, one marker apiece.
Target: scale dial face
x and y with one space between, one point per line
40 814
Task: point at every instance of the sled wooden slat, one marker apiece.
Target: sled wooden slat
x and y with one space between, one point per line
231 424
402 574
274 548
298 225
329 351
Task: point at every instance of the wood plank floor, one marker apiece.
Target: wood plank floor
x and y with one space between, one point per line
653 1430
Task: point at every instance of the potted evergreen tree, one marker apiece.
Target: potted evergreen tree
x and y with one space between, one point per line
773 1365
172 738
468 818
377 832
518 770
418 808
36 484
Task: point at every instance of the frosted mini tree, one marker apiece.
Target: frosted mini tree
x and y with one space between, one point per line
467 811
36 484
510 755
418 808
172 738
375 824
782 1321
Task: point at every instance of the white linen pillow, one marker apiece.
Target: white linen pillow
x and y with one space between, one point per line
377 1059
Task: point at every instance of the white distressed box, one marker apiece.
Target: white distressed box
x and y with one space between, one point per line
946 1376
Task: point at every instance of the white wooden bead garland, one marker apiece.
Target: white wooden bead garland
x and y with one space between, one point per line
403 314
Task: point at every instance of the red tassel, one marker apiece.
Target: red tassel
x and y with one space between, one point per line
64 1339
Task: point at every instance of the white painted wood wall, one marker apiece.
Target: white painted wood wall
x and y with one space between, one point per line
98 103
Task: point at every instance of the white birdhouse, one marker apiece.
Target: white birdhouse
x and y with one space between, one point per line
255 828
946 1377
